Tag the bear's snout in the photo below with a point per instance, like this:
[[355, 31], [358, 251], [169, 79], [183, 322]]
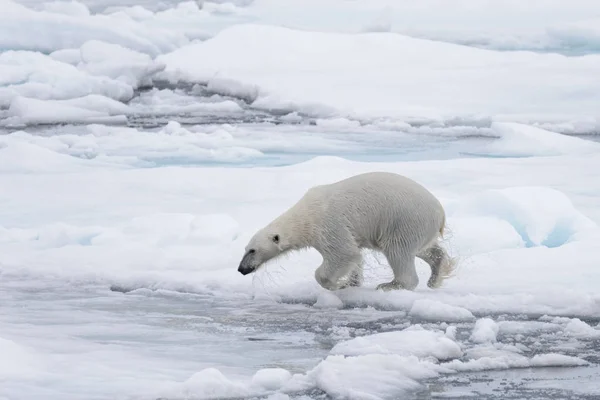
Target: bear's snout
[[245, 270], [247, 264]]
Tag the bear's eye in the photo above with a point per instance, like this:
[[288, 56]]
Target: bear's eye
[[276, 238], [251, 251]]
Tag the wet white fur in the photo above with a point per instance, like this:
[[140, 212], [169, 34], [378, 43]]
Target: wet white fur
[[379, 211]]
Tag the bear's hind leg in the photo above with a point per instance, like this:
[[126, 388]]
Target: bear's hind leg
[[355, 278], [405, 273], [441, 264]]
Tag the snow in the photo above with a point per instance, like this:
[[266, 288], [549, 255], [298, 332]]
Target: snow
[[60, 30], [90, 109], [415, 78], [491, 24], [485, 330], [579, 329], [412, 341], [143, 143], [328, 300], [432, 310], [130, 146], [518, 140]]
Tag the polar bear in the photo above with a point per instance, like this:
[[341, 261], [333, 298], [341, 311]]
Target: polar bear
[[380, 211]]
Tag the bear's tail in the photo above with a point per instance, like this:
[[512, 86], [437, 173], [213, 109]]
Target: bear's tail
[[442, 267]]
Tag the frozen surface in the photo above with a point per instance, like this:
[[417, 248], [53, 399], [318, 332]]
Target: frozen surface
[[167, 240], [142, 143]]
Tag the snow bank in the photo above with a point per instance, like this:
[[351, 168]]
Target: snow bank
[[518, 140], [416, 78], [540, 215]]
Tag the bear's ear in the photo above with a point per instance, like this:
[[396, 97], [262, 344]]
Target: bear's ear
[[275, 239]]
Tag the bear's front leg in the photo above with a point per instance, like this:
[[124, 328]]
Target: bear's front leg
[[325, 280]]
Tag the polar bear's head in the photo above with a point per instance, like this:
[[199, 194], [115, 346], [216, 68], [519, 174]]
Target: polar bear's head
[[265, 245]]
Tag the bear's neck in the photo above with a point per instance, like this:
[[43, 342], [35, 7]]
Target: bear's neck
[[297, 227]]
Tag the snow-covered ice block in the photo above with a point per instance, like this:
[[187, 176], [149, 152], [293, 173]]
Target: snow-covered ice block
[[414, 341], [88, 109], [371, 376], [175, 102], [119, 63], [432, 310], [37, 76], [22, 28], [318, 72], [579, 329]]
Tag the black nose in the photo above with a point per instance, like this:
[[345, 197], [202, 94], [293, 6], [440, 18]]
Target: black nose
[[245, 270]]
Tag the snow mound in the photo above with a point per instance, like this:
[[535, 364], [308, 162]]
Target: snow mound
[[414, 341], [210, 383], [523, 140], [271, 378], [542, 216], [318, 73], [432, 310], [485, 331]]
